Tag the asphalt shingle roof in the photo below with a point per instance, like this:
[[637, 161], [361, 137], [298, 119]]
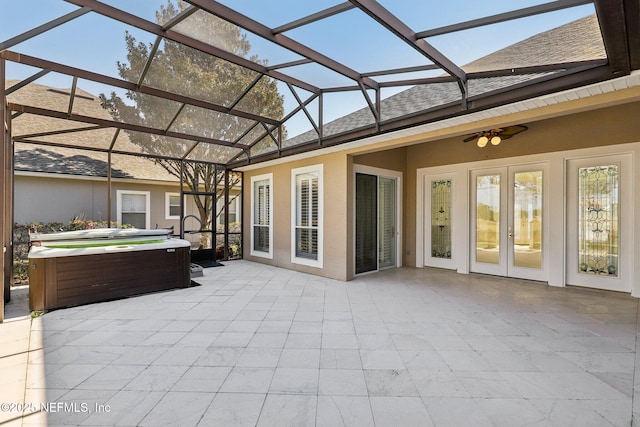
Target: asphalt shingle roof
[[579, 40], [73, 161]]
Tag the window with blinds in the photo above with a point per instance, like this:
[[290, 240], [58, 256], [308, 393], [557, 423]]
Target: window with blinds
[[307, 216], [261, 215], [173, 206], [133, 208]]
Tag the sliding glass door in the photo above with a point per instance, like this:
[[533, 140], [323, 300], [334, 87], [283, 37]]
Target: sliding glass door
[[386, 222], [376, 220]]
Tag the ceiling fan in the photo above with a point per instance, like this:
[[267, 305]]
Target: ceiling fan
[[496, 135]]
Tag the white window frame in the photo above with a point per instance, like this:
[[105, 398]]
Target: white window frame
[[254, 179], [319, 169], [147, 194], [167, 205]]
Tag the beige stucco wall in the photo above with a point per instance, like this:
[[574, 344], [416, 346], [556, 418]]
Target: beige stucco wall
[[394, 159], [615, 124], [335, 252]]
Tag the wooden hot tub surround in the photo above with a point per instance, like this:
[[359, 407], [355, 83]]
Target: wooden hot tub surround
[[63, 277]]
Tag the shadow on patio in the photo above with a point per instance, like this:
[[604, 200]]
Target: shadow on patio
[[261, 345]]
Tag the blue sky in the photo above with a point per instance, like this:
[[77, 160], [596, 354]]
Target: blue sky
[[97, 43]]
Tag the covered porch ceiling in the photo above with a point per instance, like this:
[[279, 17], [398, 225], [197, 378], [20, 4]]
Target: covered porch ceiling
[[343, 70]]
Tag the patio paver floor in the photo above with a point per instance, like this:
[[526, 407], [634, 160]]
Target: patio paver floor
[[260, 345]]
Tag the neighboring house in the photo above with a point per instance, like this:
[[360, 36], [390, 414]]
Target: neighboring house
[[56, 184], [557, 203]]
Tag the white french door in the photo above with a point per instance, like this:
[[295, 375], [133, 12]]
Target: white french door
[[508, 221]]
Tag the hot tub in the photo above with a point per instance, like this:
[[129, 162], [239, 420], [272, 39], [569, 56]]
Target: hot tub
[[88, 266]]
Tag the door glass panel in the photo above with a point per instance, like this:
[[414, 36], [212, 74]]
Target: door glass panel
[[488, 219], [366, 227], [527, 219], [441, 218], [387, 222], [598, 220]]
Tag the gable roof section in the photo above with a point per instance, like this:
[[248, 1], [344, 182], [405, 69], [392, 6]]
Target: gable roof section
[[579, 40]]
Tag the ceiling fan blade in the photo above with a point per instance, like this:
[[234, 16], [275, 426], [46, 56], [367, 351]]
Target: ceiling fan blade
[[504, 133], [472, 137], [510, 131]]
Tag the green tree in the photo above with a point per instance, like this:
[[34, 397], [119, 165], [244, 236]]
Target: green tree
[[187, 71]]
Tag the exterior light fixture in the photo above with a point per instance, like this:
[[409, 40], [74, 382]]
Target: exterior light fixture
[[486, 137], [495, 136]]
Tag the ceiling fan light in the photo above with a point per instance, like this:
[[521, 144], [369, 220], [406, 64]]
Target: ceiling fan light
[[482, 141], [495, 140]]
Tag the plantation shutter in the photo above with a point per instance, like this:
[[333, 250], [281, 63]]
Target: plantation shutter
[[262, 216], [307, 215]]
